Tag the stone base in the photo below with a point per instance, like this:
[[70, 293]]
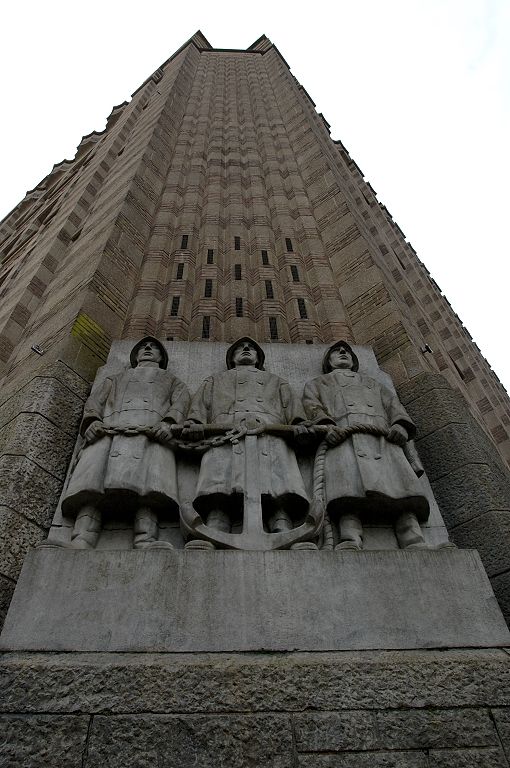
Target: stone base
[[168, 601], [372, 709]]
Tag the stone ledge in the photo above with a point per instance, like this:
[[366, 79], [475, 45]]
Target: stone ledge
[[175, 601]]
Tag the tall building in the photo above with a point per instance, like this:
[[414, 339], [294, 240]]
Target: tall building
[[215, 204]]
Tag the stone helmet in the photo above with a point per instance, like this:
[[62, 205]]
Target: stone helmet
[[134, 352], [260, 352], [326, 366]]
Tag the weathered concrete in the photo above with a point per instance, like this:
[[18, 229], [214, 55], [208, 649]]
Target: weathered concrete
[[241, 601]]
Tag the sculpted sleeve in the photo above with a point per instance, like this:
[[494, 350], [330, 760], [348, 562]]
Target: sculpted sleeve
[[179, 403], [396, 412], [313, 405], [292, 407], [201, 403], [94, 407]]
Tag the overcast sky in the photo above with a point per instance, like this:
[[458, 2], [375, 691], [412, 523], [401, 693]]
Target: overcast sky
[[417, 90]]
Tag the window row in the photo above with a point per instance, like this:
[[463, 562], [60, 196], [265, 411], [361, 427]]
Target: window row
[[237, 269], [273, 327], [176, 300], [237, 247]]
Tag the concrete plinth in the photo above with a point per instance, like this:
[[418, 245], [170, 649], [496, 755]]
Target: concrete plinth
[[247, 601]]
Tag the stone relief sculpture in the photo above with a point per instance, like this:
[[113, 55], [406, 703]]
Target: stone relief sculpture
[[126, 422], [370, 468], [253, 479]]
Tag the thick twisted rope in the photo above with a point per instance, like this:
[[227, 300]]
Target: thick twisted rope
[[326, 537]]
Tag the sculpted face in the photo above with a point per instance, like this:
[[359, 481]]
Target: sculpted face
[[341, 358], [245, 354], [149, 353]]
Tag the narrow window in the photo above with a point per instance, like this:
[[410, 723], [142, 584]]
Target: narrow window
[[206, 327], [174, 309], [288, 244], [303, 314], [294, 272], [239, 307], [237, 243], [208, 289], [237, 271], [273, 328], [265, 257], [269, 289], [180, 271], [210, 256], [184, 241]]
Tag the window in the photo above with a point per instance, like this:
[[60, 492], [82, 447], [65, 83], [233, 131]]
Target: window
[[265, 257], [208, 289], [184, 241], [269, 289], [175, 306], [237, 243], [303, 314], [206, 327], [294, 272], [273, 328], [210, 256], [180, 271], [288, 244], [239, 307], [237, 271]]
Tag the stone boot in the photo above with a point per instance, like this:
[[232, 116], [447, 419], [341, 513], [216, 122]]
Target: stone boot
[[147, 532]]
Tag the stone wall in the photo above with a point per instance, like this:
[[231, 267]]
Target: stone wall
[[470, 482], [401, 709], [38, 424]]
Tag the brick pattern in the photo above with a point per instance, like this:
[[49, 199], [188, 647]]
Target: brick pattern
[[218, 145]]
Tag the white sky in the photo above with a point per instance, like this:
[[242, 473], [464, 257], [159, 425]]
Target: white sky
[[417, 90]]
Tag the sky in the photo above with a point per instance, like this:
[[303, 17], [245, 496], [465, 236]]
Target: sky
[[417, 90]]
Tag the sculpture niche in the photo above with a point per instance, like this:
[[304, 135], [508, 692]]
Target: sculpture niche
[[367, 477], [252, 478], [125, 463]]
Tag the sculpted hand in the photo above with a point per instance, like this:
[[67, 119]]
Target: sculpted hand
[[332, 437], [162, 431], [302, 435], [192, 432], [398, 435], [94, 432]]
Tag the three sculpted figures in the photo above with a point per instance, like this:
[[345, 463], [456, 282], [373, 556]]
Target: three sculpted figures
[[246, 424]]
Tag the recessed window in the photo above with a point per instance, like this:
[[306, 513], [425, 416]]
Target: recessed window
[[295, 273], [210, 256], [265, 257], [303, 314], [237, 271], [288, 244], [237, 243], [273, 328], [208, 289], [180, 271], [269, 289], [239, 307], [184, 241], [206, 327], [174, 309]]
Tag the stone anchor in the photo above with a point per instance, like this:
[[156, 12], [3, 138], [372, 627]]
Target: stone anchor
[[253, 535], [255, 472]]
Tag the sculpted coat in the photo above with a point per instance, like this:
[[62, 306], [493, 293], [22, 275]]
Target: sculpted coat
[[133, 464], [364, 467], [248, 395]]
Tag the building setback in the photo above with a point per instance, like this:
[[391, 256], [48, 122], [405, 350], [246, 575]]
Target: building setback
[[215, 204]]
